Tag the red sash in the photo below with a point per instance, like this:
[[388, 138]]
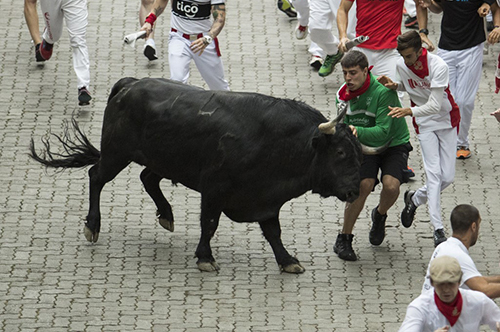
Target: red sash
[[420, 67], [450, 310]]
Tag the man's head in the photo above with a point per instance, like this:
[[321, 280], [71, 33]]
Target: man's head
[[445, 273], [355, 69], [410, 47], [465, 220]]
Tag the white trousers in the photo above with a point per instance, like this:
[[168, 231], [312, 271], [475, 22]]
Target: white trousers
[[411, 8], [302, 7], [322, 17], [465, 68], [74, 12], [383, 61], [209, 63], [439, 156]]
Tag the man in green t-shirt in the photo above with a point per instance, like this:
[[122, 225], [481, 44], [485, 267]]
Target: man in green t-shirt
[[367, 108]]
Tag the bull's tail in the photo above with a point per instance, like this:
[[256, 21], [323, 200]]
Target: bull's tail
[[78, 151], [120, 85]]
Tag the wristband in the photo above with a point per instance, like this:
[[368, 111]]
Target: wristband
[[424, 31], [151, 19]]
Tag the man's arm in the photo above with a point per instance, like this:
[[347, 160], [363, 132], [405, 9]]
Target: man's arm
[[432, 5], [219, 14], [494, 36], [490, 286], [158, 8], [342, 22], [422, 23]]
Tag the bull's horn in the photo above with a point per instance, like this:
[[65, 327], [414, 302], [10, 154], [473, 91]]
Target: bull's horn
[[375, 150], [329, 127]]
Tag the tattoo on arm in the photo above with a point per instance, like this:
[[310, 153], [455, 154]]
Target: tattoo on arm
[[158, 10], [219, 13]]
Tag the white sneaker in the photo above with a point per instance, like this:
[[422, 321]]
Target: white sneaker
[[301, 32], [316, 62], [150, 50]]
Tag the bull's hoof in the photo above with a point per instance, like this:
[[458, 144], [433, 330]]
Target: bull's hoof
[[89, 235], [208, 266], [167, 224], [293, 268]]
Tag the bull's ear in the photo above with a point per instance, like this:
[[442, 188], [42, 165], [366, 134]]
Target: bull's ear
[[316, 141]]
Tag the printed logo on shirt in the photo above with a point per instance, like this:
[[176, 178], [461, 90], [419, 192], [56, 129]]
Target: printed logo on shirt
[[191, 10], [419, 84], [361, 122]]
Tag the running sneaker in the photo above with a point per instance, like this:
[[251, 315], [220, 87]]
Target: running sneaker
[[84, 96], [301, 32], [316, 62], [463, 152], [329, 64], [286, 7], [45, 51]]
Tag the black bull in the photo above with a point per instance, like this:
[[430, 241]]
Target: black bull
[[246, 153]]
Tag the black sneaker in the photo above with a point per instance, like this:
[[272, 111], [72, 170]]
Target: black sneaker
[[408, 212], [150, 53], [377, 232], [411, 22], [84, 96], [439, 237], [38, 56], [286, 7], [343, 247]]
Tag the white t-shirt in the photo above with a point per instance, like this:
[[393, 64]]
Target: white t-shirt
[[419, 90], [455, 248], [192, 16], [423, 315]]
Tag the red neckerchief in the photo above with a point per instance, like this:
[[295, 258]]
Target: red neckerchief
[[420, 67], [345, 94], [450, 310]]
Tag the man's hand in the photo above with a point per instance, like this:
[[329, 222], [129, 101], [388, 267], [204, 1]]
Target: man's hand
[[354, 131], [387, 82], [444, 329], [425, 3], [399, 112], [342, 43], [496, 114], [148, 28], [494, 36], [198, 45], [483, 10], [425, 39]]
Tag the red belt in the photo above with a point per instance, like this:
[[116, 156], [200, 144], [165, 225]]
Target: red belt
[[189, 37]]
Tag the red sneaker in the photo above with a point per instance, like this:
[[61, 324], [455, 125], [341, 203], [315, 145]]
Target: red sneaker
[[45, 50]]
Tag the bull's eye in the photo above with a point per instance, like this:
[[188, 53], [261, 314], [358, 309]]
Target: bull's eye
[[340, 153]]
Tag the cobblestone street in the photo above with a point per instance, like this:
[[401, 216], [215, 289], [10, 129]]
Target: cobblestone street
[[140, 277]]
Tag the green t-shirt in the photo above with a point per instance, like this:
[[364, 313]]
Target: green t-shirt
[[368, 113]]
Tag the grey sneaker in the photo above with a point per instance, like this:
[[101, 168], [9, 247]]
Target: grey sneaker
[[408, 213], [343, 247], [377, 232], [439, 237], [329, 64]]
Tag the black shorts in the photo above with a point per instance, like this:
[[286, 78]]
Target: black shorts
[[393, 161]]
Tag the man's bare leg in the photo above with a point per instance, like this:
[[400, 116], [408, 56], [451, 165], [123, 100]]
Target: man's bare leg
[[149, 47], [31, 16]]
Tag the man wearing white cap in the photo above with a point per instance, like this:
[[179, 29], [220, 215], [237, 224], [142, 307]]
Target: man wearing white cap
[[449, 308]]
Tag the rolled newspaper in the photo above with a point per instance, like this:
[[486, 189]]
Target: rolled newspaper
[[356, 41], [129, 39]]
